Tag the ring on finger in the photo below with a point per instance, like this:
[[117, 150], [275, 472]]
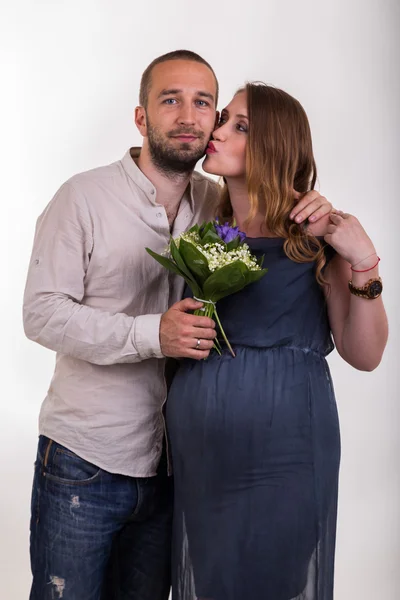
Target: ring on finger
[[198, 344]]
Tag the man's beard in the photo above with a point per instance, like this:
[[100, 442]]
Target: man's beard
[[175, 161]]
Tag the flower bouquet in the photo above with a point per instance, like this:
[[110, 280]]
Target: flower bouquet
[[215, 262]]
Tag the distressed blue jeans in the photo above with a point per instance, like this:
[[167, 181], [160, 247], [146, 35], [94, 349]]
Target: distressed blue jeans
[[96, 535]]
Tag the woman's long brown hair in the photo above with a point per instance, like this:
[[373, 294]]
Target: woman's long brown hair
[[279, 160]]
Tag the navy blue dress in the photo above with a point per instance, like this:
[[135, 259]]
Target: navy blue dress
[[256, 447]]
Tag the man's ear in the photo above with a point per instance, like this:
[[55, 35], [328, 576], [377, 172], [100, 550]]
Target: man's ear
[[217, 114], [141, 120]]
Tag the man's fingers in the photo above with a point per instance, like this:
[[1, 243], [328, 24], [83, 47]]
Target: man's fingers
[[315, 205], [185, 335], [317, 214], [303, 204], [203, 346], [315, 211], [201, 333], [308, 197], [199, 321], [197, 354], [188, 304]]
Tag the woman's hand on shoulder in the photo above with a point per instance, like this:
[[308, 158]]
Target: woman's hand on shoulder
[[347, 236]]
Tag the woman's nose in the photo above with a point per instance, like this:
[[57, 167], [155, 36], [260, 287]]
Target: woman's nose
[[219, 134]]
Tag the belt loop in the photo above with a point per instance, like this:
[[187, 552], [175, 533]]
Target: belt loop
[[46, 455]]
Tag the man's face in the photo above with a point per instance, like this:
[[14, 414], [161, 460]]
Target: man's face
[[180, 114]]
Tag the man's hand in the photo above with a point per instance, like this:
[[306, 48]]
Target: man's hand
[[186, 336], [312, 206]]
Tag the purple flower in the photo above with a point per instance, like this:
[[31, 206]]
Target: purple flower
[[228, 233]]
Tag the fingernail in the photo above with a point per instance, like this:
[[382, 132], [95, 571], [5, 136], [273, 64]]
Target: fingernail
[[291, 216], [299, 219], [312, 218]]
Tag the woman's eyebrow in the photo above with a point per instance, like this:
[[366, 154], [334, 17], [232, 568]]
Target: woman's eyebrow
[[225, 111]]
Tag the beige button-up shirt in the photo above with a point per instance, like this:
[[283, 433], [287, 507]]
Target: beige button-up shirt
[[96, 297]]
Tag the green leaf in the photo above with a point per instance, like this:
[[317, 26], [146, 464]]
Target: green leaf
[[212, 238], [205, 227], [171, 266], [226, 281], [233, 244], [195, 261], [254, 276], [165, 262], [230, 279], [186, 273]]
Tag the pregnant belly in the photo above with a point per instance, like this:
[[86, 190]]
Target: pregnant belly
[[256, 406]]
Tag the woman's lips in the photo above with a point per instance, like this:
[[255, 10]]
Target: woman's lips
[[211, 149]]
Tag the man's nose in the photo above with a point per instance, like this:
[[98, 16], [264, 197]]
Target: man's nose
[[187, 115]]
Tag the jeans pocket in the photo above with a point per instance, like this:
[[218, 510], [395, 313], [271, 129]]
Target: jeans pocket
[[64, 466]]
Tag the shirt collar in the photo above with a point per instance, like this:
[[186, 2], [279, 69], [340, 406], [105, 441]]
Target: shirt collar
[[138, 177]]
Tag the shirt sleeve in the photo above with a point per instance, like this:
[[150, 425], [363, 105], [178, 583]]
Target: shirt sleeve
[[53, 312]]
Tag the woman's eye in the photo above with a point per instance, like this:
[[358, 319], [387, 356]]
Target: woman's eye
[[221, 121], [242, 128]]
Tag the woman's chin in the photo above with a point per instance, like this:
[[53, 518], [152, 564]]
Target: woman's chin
[[209, 167]]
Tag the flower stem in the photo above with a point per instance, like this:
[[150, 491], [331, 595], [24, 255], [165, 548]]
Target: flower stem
[[210, 311], [223, 332]]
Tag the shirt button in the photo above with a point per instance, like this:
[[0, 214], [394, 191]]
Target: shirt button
[[151, 192], [159, 215]]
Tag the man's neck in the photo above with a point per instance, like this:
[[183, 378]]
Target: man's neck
[[170, 188]]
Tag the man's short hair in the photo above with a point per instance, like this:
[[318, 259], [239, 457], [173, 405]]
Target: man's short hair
[[145, 82]]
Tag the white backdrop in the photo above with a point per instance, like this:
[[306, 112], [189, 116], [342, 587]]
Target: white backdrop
[[69, 82]]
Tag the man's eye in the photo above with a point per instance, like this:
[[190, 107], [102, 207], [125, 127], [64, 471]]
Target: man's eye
[[202, 103], [169, 101]]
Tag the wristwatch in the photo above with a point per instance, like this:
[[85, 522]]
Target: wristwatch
[[371, 290]]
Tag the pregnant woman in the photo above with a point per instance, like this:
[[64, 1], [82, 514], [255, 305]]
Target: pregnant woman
[[255, 439]]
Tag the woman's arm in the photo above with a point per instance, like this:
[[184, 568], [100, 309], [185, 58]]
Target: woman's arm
[[359, 325]]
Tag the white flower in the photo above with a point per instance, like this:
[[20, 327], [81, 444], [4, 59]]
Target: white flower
[[216, 254]]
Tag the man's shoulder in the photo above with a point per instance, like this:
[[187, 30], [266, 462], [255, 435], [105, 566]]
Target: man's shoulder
[[201, 179], [87, 190], [96, 176], [204, 186], [206, 195]]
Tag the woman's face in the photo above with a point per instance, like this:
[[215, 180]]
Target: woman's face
[[226, 152]]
